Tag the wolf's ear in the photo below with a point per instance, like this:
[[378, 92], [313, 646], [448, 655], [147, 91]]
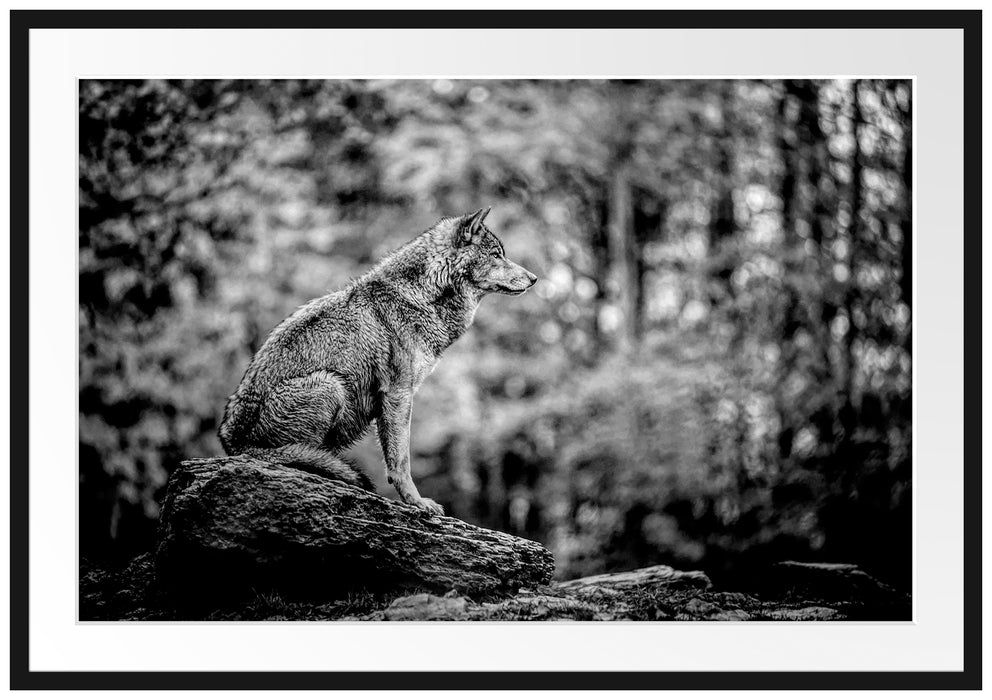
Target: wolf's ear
[[469, 225]]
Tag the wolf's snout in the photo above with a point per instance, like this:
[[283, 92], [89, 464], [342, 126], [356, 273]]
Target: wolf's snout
[[516, 280], [523, 280]]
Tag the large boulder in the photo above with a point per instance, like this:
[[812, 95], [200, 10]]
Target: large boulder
[[237, 524]]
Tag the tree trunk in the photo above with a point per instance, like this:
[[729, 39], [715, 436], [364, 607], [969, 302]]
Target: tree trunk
[[600, 246], [723, 222], [817, 166], [854, 243], [906, 219], [787, 184], [817, 212], [906, 225], [623, 258], [650, 214], [235, 523], [790, 244]]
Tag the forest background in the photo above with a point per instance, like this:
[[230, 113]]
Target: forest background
[[714, 370]]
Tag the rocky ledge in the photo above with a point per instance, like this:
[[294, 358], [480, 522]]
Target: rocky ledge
[[242, 539]]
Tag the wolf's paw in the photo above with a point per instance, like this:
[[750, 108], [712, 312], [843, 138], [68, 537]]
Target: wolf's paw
[[430, 506]]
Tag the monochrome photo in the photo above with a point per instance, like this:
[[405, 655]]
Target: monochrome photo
[[496, 349]]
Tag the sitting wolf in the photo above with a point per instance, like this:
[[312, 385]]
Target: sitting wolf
[[358, 355]]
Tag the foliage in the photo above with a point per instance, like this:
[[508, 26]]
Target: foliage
[[713, 370]]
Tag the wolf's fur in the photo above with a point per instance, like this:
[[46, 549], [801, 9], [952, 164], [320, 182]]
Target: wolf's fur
[[358, 355]]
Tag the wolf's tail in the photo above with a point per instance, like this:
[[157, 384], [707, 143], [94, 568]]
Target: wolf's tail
[[313, 460]]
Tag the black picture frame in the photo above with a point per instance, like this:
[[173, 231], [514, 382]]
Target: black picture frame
[[21, 22]]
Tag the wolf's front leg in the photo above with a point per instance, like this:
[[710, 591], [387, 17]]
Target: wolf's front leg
[[393, 427]]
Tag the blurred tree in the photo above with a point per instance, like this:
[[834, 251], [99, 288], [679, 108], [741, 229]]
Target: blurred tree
[[154, 158]]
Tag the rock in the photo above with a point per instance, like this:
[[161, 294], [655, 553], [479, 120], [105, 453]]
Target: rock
[[733, 600], [810, 613], [118, 595], [817, 580], [643, 594], [424, 606], [698, 609], [539, 607], [243, 539], [654, 593], [650, 577], [651, 593], [239, 524], [526, 605]]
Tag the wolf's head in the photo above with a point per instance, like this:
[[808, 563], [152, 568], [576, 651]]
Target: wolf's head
[[477, 258]]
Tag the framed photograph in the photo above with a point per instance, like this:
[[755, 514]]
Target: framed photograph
[[510, 349]]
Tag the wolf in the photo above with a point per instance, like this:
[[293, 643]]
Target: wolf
[[358, 355]]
